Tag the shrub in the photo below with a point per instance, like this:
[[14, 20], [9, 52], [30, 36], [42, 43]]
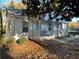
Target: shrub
[[9, 40], [2, 39], [22, 40]]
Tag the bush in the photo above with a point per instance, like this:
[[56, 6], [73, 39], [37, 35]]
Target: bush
[[22, 40], [2, 39], [9, 40]]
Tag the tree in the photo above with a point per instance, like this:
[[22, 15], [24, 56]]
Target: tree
[[68, 8], [1, 23], [12, 4], [64, 8], [17, 5]]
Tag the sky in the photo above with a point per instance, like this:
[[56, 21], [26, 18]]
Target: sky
[[75, 19], [5, 2]]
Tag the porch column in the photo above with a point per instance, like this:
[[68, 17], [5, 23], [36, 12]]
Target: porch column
[[39, 29], [8, 24], [64, 26], [67, 29], [53, 27], [57, 28], [60, 28], [30, 28], [7, 30]]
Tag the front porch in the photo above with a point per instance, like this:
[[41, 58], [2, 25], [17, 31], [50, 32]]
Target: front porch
[[38, 29]]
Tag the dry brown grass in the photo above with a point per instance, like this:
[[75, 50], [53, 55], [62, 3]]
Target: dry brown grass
[[29, 50], [33, 50]]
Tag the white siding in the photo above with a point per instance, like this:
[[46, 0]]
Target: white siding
[[18, 26], [29, 28]]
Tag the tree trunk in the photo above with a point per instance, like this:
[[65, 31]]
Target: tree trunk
[[1, 23]]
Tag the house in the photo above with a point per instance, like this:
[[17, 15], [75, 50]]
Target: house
[[16, 23], [33, 27], [39, 27]]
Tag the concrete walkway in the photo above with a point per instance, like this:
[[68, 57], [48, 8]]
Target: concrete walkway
[[64, 40]]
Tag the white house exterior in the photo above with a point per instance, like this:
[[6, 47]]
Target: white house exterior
[[33, 27], [16, 23], [41, 27]]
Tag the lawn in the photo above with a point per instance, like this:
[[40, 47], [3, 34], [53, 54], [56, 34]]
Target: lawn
[[33, 50]]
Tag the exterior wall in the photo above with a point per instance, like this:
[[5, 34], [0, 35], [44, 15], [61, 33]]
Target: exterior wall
[[45, 28], [38, 29], [16, 26], [35, 28]]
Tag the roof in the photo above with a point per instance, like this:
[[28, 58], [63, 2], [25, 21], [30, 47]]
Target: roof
[[13, 11]]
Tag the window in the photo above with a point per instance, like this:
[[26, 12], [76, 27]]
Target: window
[[25, 26], [49, 26]]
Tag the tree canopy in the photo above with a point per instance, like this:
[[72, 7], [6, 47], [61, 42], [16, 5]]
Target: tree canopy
[[65, 8], [17, 5]]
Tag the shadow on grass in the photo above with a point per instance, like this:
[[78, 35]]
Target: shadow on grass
[[61, 49]]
